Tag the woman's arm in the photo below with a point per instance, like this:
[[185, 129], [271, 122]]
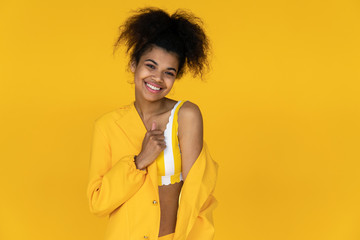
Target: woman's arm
[[110, 186], [190, 133], [191, 143]]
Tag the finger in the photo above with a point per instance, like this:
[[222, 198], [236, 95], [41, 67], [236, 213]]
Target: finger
[[157, 139], [161, 137], [153, 126], [161, 141], [156, 132], [153, 133], [162, 145]]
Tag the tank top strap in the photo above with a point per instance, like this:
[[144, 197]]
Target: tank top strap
[[178, 106], [169, 162]]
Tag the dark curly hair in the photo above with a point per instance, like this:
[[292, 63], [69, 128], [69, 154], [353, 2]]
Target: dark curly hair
[[180, 33]]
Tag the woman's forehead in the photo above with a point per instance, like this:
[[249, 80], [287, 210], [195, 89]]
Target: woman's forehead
[[160, 55]]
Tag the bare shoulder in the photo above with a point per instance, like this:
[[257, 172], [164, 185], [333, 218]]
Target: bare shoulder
[[190, 120], [189, 112]]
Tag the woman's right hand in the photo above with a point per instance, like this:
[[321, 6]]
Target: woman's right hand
[[152, 145]]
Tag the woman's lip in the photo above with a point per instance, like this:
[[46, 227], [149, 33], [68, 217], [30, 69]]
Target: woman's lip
[[152, 90], [154, 84]]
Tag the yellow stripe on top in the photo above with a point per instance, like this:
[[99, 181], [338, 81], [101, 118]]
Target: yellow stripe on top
[[161, 164], [169, 161], [177, 177]]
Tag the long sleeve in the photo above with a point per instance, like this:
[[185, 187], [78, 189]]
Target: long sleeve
[[203, 228], [110, 186]]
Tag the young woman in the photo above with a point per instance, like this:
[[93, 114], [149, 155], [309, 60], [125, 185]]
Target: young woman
[[150, 170]]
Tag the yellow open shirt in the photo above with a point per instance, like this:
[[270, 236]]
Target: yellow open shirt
[[130, 197]]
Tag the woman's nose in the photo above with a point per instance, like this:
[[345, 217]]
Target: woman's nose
[[157, 76]]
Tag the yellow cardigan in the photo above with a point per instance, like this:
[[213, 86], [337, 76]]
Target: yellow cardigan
[[130, 196]]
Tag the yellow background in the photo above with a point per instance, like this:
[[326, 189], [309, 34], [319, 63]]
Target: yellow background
[[281, 110]]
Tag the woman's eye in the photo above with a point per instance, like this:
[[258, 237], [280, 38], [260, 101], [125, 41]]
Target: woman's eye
[[150, 66], [170, 73]]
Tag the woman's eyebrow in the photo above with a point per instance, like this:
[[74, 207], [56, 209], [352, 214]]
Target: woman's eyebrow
[[152, 61], [172, 69], [158, 64]]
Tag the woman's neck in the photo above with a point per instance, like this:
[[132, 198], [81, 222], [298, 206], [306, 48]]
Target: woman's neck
[[148, 109]]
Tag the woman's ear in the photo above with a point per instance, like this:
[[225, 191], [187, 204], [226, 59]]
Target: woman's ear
[[133, 66]]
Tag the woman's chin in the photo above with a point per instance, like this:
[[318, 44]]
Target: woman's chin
[[154, 97]]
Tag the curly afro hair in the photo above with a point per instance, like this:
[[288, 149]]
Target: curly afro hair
[[180, 33]]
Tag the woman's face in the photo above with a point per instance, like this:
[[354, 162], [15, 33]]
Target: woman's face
[[155, 73]]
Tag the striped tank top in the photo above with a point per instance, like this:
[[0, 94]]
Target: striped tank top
[[169, 161]]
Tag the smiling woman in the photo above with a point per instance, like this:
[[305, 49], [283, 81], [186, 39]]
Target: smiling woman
[[150, 170], [154, 74]]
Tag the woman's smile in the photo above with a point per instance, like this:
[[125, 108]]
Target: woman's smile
[[152, 87]]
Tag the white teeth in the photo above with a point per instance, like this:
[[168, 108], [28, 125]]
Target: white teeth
[[152, 87]]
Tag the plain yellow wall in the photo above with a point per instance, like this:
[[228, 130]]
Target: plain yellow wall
[[281, 110]]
